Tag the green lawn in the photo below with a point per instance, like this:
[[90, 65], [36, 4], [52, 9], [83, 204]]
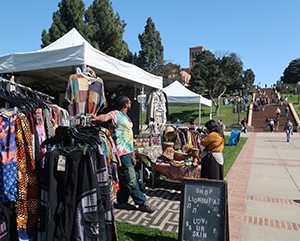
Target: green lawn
[[184, 111], [127, 232], [295, 99]]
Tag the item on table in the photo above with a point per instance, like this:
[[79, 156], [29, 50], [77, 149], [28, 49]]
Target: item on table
[[167, 144], [169, 153]]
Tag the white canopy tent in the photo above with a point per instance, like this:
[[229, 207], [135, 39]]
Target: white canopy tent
[[177, 93], [54, 64]]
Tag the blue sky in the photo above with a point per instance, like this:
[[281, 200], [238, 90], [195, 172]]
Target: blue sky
[[264, 33]]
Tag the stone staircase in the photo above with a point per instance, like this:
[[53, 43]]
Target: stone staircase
[[259, 117]]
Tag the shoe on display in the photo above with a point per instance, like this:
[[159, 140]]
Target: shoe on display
[[147, 207]]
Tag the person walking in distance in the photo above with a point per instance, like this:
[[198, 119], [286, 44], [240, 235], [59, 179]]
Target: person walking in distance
[[267, 122], [286, 111], [271, 124], [244, 125], [123, 136], [276, 124], [288, 127], [278, 111]]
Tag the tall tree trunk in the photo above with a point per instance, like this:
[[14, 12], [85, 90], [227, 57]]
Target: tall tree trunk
[[217, 104]]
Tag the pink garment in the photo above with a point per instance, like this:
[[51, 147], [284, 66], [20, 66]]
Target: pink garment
[[40, 128]]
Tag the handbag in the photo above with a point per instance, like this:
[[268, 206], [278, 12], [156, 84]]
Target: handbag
[[292, 133]]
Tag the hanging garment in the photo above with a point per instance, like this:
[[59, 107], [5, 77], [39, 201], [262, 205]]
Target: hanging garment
[[8, 165], [112, 159], [48, 124], [85, 95], [41, 133], [75, 198], [27, 200], [76, 184], [157, 108]]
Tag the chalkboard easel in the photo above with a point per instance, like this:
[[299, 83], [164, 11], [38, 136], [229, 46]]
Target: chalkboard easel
[[203, 210]]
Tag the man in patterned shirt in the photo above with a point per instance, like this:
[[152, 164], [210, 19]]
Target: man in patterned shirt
[[123, 136]]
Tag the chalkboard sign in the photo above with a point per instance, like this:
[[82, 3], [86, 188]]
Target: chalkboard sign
[[203, 210]]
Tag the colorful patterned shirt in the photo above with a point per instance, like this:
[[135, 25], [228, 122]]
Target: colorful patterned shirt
[[8, 158], [122, 132], [85, 95]]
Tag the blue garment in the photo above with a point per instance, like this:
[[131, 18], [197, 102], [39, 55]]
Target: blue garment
[[234, 138], [8, 164], [288, 134], [289, 129]]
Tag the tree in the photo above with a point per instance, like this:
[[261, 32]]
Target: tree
[[105, 30], [170, 72], [151, 55], [70, 15], [248, 78], [291, 74], [213, 74]]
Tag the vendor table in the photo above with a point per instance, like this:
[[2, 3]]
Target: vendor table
[[165, 169], [149, 152], [178, 173]]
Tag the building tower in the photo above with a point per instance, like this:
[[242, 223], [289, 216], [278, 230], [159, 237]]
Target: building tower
[[193, 51]]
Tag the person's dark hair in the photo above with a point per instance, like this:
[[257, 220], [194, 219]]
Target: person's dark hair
[[213, 126], [121, 101], [191, 120]]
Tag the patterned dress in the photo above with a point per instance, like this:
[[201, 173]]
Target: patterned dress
[[27, 201], [8, 165]]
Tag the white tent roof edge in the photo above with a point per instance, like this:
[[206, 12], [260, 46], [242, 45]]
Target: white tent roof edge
[[73, 50], [177, 93]]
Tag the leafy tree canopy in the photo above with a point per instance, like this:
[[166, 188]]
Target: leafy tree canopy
[[69, 15], [105, 30], [151, 55], [98, 25], [213, 74], [248, 78], [170, 72], [291, 74]]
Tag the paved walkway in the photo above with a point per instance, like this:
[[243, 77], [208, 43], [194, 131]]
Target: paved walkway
[[263, 191]]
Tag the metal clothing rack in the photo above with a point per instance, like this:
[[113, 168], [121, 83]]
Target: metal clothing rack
[[84, 120], [10, 82]]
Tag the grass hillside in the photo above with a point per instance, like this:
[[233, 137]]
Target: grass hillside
[[184, 111]]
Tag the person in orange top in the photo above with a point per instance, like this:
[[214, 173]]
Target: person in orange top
[[212, 156]]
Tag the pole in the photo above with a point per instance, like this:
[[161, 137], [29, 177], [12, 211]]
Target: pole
[[200, 112], [238, 109], [142, 100]]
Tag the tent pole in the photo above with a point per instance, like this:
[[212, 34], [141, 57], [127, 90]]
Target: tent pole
[[142, 101], [200, 112], [210, 116]]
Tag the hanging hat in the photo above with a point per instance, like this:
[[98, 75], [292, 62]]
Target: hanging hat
[[169, 132], [169, 153]]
